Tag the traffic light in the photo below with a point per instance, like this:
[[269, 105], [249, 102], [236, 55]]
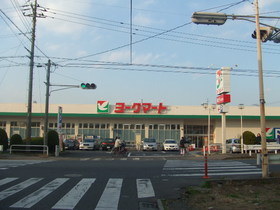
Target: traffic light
[[88, 86], [265, 32]]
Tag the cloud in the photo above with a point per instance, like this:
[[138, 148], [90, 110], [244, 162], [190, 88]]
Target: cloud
[[144, 20], [60, 7], [124, 55]]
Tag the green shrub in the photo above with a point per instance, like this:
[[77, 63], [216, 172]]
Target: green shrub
[[249, 137], [53, 139], [16, 139], [3, 139], [37, 141]]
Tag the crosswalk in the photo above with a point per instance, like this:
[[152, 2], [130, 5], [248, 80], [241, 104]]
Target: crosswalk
[[19, 193], [182, 168]]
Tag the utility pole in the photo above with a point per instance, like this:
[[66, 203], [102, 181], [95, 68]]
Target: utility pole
[[261, 91], [47, 102], [29, 108]]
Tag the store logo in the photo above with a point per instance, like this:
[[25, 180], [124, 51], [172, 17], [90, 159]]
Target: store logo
[[102, 106], [269, 133]]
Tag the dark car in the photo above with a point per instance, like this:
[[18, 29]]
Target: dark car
[[107, 143], [71, 144]]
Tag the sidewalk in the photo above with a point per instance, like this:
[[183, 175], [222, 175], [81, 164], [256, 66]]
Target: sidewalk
[[195, 155]]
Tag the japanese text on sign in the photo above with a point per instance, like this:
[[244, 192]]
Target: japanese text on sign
[[139, 107]]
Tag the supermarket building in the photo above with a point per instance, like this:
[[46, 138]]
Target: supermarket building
[[139, 120]]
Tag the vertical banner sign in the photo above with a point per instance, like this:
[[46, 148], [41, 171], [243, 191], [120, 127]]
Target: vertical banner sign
[[222, 88], [223, 80]]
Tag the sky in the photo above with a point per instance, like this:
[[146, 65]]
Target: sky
[[152, 53]]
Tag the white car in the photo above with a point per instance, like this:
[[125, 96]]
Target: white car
[[89, 144], [170, 144], [233, 145]]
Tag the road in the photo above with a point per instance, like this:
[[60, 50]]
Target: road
[[88, 180]]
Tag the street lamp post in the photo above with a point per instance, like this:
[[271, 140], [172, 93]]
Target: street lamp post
[[241, 107], [212, 107], [216, 19]]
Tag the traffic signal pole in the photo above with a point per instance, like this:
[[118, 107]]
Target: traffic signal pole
[[261, 92]]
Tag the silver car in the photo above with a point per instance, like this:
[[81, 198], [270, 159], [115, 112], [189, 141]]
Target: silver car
[[149, 144], [233, 145]]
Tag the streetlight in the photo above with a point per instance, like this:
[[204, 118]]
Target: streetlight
[[241, 107], [215, 19], [212, 107]]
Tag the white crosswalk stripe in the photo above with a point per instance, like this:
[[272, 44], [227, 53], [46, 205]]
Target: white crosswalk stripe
[[145, 188], [215, 168], [38, 195], [70, 200], [110, 195], [17, 188], [7, 180]]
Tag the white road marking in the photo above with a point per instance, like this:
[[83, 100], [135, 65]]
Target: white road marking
[[111, 195], [198, 168], [145, 188], [215, 174], [7, 180], [70, 200], [16, 188], [38, 195]]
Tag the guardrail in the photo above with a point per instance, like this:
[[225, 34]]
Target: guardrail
[[29, 148], [273, 159], [256, 148]]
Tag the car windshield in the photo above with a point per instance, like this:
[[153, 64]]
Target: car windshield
[[88, 140], [108, 140], [67, 141], [170, 142], [150, 140]]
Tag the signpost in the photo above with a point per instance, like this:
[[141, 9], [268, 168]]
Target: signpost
[[223, 98], [59, 126]]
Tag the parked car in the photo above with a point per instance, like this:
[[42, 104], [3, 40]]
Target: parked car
[[107, 143], [233, 145], [170, 144], [149, 144], [90, 144], [71, 144]]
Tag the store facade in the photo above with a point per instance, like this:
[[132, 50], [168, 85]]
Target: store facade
[[137, 120]]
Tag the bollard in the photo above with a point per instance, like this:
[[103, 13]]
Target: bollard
[[56, 150], [206, 167], [1, 148]]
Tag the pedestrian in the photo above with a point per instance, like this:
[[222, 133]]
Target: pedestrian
[[258, 139], [182, 146]]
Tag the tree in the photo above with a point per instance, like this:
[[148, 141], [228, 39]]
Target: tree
[[3, 139], [16, 139], [53, 139], [249, 137]]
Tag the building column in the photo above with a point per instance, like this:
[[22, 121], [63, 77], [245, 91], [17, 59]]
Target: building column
[[8, 129], [111, 130], [181, 130], [146, 131]]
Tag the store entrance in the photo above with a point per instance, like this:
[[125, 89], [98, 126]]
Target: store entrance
[[198, 141]]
